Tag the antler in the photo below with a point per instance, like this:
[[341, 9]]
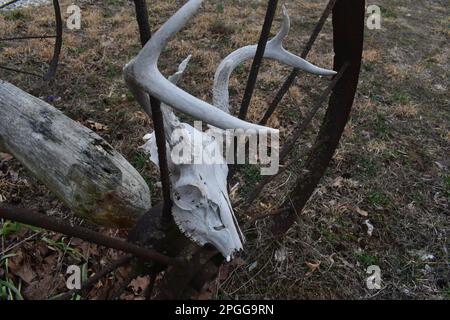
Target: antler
[[274, 50], [143, 77]]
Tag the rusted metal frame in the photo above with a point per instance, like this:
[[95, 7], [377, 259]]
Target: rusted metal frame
[[36, 219], [348, 36], [264, 37], [145, 35], [58, 42], [294, 138], [294, 73], [96, 278]]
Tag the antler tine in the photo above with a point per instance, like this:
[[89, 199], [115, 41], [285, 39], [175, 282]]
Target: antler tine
[[274, 50], [142, 73], [170, 119]]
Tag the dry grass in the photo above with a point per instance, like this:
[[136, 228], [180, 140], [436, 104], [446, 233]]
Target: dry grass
[[392, 167]]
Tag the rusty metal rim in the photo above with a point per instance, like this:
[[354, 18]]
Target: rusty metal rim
[[53, 64]]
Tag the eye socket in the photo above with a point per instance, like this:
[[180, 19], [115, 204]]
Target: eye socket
[[189, 197]]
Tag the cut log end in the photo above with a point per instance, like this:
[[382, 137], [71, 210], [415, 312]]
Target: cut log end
[[80, 167]]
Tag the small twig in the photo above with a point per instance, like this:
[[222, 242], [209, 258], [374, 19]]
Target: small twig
[[5, 251]]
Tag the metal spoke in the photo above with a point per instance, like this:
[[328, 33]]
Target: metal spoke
[[251, 82], [294, 73], [20, 71], [8, 4], [27, 38], [307, 121], [295, 136], [145, 35]]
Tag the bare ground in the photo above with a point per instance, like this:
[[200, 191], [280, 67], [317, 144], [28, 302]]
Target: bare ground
[[391, 170]]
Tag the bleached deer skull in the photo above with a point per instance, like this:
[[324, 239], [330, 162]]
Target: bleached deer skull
[[202, 208]]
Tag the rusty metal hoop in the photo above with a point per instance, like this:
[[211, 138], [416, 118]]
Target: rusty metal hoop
[[53, 64]]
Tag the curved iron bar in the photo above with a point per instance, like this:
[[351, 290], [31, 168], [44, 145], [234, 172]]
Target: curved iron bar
[[53, 65], [58, 43], [348, 39]]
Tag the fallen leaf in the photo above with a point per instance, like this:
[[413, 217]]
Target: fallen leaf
[[362, 212], [238, 262], [139, 284], [337, 183], [312, 267], [20, 266], [97, 126], [4, 157], [42, 289]]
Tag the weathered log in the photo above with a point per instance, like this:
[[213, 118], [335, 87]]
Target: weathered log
[[80, 167]]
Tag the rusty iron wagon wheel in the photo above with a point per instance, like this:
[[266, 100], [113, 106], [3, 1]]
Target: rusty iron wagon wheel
[[51, 66], [148, 238]]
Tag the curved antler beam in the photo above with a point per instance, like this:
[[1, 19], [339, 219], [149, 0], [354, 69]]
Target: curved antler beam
[[274, 50], [142, 74]]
